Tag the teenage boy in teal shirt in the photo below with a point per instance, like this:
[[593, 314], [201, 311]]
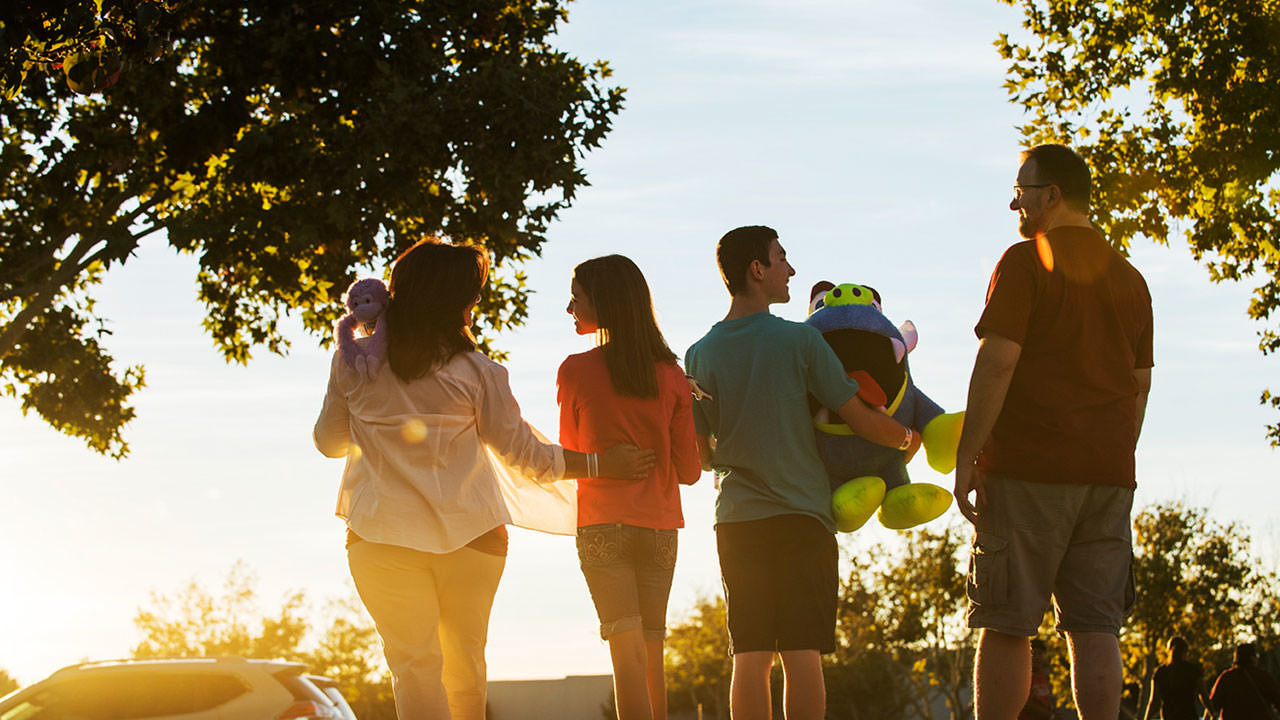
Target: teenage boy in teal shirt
[[774, 530]]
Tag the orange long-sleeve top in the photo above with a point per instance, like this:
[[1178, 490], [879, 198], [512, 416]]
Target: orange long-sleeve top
[[594, 417]]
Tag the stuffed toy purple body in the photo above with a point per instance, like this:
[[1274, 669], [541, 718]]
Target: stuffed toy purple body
[[367, 301]]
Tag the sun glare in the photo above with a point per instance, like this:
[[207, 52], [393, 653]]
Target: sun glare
[[413, 431], [1044, 251]]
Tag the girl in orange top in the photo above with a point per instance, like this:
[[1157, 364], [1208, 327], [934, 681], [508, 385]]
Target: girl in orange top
[[628, 389]]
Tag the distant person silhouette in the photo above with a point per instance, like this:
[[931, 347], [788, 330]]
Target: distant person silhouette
[[1040, 704], [1176, 685], [1245, 691]]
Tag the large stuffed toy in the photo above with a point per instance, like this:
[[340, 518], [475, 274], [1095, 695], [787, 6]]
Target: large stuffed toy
[[367, 300], [865, 476]]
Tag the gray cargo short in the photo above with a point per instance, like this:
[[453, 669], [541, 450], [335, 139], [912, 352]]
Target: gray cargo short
[[1034, 541]]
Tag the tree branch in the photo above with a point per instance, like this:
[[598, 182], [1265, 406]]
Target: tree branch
[[66, 272]]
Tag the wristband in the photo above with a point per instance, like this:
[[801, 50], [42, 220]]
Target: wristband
[[906, 442], [593, 465]]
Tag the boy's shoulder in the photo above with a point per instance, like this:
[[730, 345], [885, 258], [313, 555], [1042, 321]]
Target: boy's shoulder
[[759, 330], [780, 330]]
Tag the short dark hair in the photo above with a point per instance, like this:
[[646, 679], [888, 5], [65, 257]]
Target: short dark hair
[[1060, 165], [431, 284], [1177, 647], [738, 249]]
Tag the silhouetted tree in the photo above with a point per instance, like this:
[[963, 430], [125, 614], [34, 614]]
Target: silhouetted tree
[[7, 683], [286, 145], [1197, 578], [198, 622], [698, 664]]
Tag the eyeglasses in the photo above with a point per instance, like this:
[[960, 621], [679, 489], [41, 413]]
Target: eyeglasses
[[1017, 189]]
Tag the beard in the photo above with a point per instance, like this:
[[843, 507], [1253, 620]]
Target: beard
[[1028, 227]]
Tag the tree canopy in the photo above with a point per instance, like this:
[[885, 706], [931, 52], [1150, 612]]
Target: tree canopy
[[697, 661], [286, 146], [1176, 106], [340, 643], [902, 643], [7, 683], [1200, 579], [903, 648], [88, 42]]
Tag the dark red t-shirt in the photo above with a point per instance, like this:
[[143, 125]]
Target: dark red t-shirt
[[1082, 315]]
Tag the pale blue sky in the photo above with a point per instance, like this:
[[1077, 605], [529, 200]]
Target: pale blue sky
[[875, 137]]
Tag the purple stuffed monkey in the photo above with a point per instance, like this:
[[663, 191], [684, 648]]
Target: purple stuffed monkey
[[367, 300]]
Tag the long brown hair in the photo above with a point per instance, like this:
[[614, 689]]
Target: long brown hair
[[431, 284], [626, 328]]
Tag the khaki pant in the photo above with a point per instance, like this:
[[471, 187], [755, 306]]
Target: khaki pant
[[432, 612]]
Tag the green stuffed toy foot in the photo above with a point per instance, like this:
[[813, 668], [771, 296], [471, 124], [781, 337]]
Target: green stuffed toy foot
[[853, 502], [914, 504], [941, 438]]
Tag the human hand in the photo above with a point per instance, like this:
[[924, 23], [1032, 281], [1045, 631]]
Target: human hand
[[969, 479], [626, 462]]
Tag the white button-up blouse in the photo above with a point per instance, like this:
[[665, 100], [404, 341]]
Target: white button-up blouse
[[438, 461]]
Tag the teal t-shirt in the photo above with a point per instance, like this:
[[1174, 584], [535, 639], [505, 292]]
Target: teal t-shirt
[[759, 371]]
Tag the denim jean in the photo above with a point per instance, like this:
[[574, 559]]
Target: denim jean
[[628, 571]]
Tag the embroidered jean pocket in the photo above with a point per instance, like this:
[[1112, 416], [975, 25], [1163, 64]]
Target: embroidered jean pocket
[[599, 545], [988, 579], [664, 549]]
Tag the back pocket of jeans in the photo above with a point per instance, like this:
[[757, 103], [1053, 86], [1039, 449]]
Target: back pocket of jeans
[[664, 548], [599, 545], [988, 580]]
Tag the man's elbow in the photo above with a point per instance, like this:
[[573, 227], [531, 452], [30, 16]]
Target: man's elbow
[[998, 356]]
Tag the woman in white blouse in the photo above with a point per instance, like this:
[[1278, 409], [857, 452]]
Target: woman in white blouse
[[439, 460]]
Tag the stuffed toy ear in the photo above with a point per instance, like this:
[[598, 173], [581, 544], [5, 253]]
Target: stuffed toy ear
[[909, 334], [817, 293], [875, 298]]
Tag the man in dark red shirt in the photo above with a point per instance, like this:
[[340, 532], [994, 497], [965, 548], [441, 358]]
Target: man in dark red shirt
[[1056, 402]]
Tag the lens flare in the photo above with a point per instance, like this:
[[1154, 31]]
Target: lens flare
[[414, 431], [1045, 252]]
